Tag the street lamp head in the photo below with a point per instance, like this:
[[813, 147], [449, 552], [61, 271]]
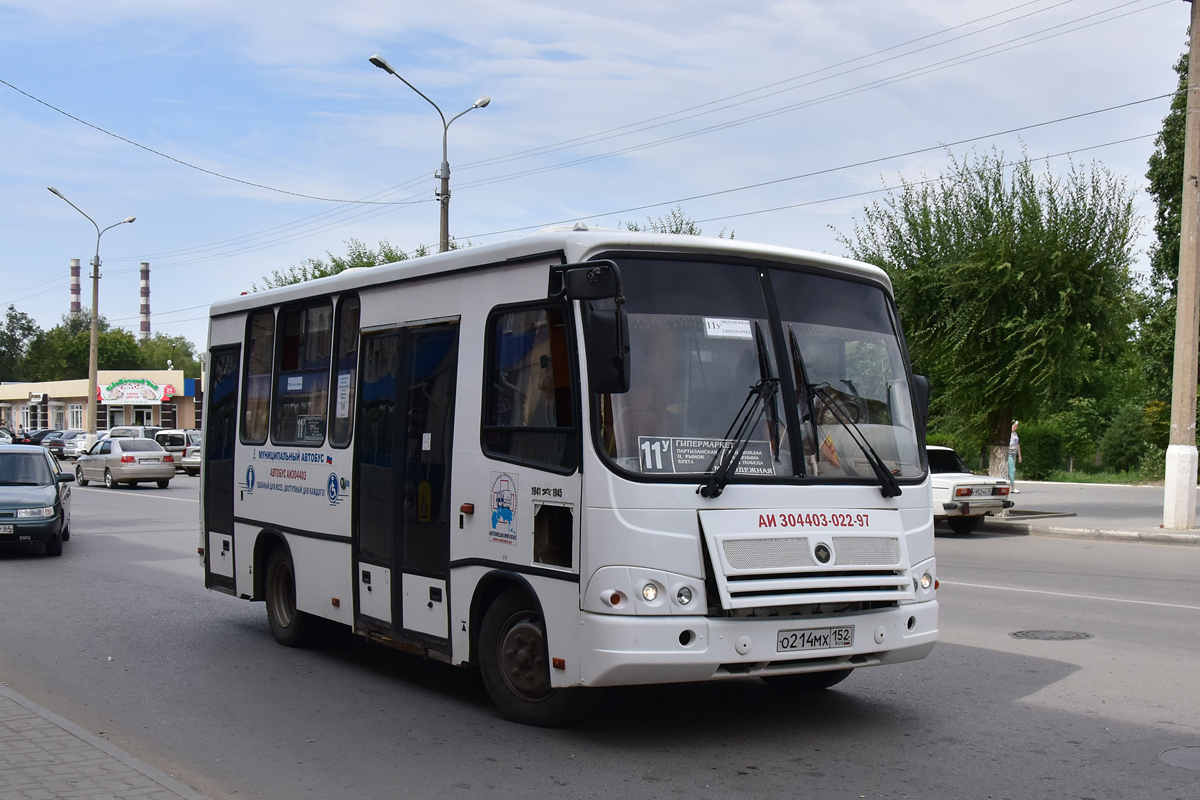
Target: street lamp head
[[379, 61], [482, 102], [129, 219], [56, 191]]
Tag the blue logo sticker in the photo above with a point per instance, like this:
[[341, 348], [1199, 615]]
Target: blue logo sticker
[[249, 485], [333, 489]]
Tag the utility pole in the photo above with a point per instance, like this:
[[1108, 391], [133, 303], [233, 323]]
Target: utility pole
[[1179, 497]]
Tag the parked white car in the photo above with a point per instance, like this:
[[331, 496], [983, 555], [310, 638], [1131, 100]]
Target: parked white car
[[960, 497]]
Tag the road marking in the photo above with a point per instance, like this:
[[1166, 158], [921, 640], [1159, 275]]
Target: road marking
[[1077, 596], [155, 496]]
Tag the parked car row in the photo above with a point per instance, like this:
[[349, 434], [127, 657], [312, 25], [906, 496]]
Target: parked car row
[[182, 443]]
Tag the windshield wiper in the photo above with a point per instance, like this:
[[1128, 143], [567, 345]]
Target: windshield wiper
[[730, 453], [801, 373], [887, 481], [764, 373], [888, 486]]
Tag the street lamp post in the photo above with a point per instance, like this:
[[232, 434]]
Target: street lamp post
[[93, 347], [444, 172]]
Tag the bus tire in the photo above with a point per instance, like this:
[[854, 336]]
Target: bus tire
[[964, 525], [515, 669], [290, 626], [807, 681]]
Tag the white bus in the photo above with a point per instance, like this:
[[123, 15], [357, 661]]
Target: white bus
[[584, 458]]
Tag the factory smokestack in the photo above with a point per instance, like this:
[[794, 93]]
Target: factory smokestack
[[76, 305], [145, 300]]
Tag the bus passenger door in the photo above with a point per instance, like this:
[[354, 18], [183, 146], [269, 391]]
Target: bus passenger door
[[402, 454], [220, 436]]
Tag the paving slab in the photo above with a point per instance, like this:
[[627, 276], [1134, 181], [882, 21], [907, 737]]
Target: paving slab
[[44, 756]]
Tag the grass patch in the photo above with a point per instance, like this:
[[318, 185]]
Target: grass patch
[[1132, 477]]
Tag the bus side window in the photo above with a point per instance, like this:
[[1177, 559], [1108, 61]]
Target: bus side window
[[256, 397], [301, 397], [529, 390], [345, 368]]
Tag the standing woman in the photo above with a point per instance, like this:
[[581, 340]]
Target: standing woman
[[1014, 455]]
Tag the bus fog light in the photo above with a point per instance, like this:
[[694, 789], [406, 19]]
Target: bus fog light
[[926, 581], [684, 595], [649, 592]]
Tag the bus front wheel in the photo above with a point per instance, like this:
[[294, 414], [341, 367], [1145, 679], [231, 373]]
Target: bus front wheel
[[289, 626], [515, 669]]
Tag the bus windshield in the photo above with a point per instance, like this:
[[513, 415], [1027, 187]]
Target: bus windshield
[[704, 344]]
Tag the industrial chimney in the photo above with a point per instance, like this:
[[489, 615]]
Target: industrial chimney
[[145, 300], [76, 306]]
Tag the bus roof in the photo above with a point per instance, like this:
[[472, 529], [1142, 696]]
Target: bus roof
[[575, 244]]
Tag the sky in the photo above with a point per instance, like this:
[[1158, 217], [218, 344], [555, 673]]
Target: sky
[[246, 137]]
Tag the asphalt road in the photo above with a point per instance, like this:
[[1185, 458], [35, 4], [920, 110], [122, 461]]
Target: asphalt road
[[119, 635], [1113, 507]]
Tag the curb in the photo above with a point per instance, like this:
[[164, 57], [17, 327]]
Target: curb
[[154, 774], [1142, 537]]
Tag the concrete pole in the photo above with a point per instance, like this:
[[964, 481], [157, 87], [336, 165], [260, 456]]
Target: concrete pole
[[94, 350], [444, 199], [1179, 501]]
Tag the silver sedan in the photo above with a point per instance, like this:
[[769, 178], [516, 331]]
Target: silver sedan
[[128, 461]]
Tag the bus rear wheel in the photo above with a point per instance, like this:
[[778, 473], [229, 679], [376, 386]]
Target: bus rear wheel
[[807, 681], [515, 669], [290, 626]]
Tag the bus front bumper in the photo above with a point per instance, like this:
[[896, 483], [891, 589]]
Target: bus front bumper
[[626, 650]]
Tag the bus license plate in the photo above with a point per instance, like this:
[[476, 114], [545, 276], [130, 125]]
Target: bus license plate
[[815, 639], [6, 528]]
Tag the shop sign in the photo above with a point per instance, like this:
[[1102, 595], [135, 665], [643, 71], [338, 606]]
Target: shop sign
[[134, 392]]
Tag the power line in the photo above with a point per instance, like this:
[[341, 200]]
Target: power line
[[1014, 43], [829, 170], [188, 164], [916, 183], [996, 49], [615, 132]]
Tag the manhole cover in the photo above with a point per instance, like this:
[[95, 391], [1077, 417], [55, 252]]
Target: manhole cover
[[1051, 636], [1186, 757]]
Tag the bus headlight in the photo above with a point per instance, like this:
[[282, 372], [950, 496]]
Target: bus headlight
[[683, 596], [649, 592], [926, 581]]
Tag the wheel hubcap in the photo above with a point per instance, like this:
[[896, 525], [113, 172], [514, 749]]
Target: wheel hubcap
[[522, 659], [283, 600]]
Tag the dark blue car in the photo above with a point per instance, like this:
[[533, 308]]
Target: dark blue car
[[35, 501]]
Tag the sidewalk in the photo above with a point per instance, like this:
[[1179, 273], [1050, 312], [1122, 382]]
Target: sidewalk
[[45, 757], [1089, 511]]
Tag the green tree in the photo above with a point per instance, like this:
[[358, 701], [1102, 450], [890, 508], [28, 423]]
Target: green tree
[[15, 337], [674, 222], [357, 255], [161, 348], [1014, 289], [1155, 341], [62, 353], [1125, 440]]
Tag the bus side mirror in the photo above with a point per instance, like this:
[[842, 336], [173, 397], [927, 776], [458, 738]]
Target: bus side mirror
[[599, 280], [606, 333], [607, 349], [921, 384]]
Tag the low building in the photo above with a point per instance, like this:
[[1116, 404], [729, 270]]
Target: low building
[[159, 397]]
